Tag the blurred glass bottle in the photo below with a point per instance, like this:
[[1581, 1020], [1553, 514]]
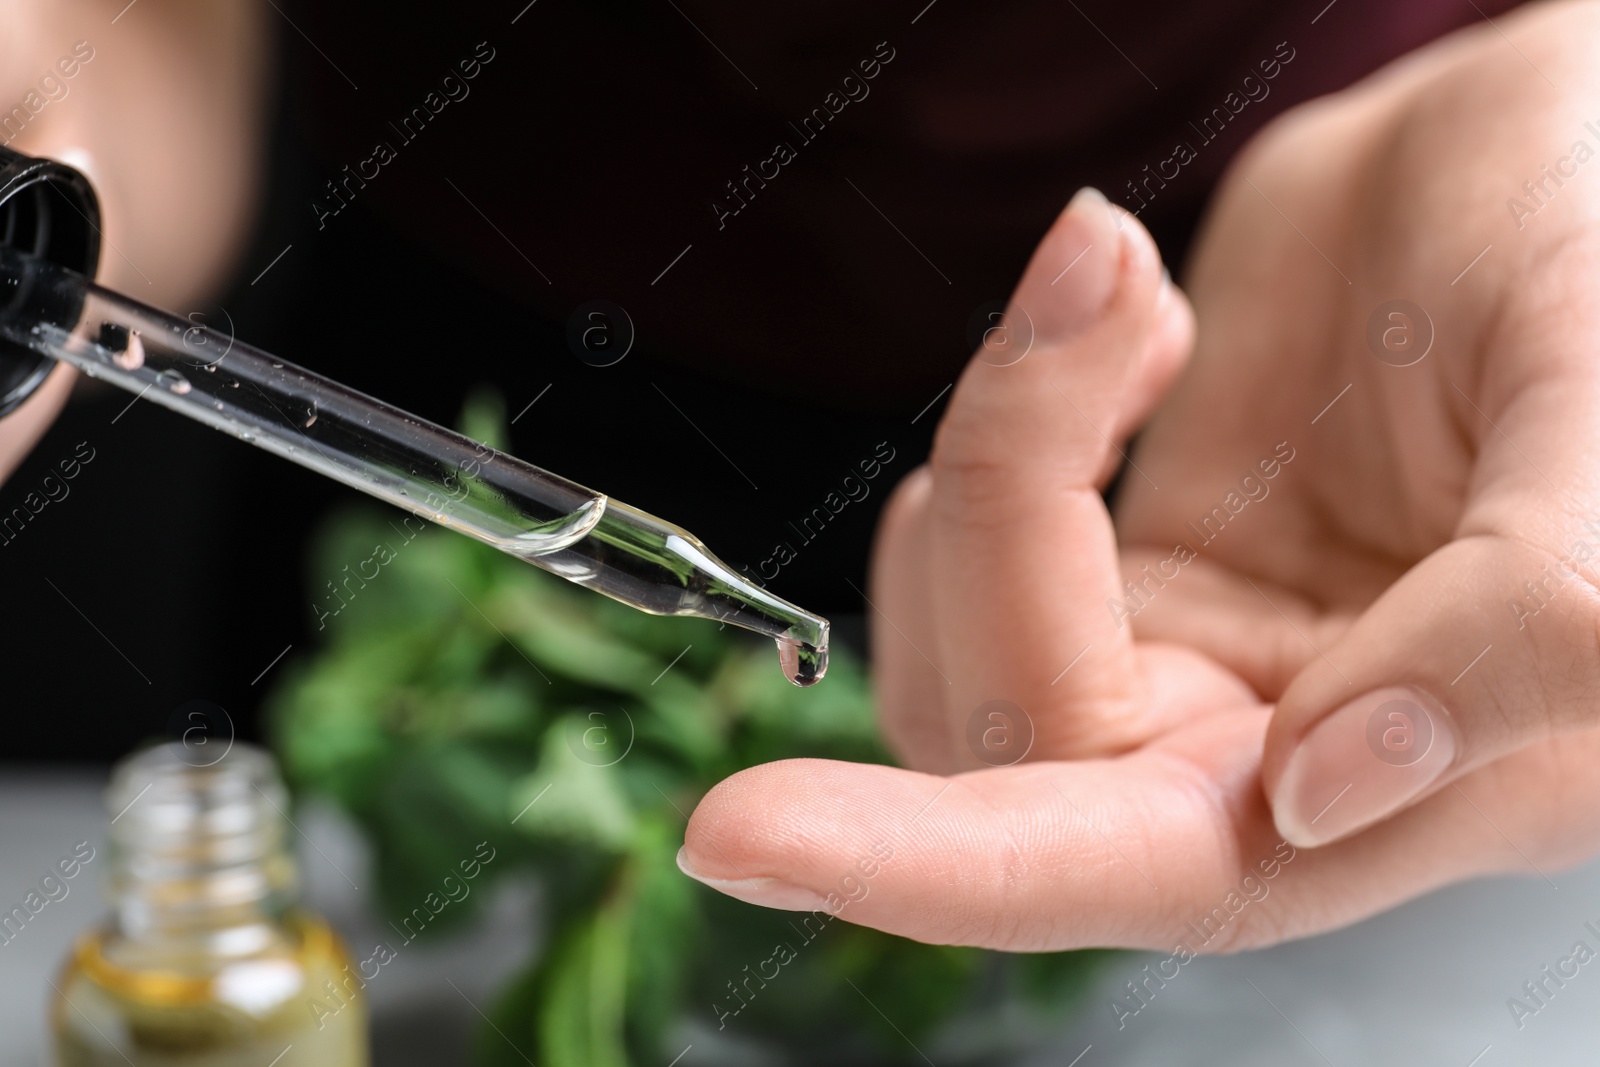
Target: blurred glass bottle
[[205, 961]]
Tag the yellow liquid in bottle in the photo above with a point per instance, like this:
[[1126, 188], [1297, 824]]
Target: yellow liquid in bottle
[[270, 1006], [205, 960]]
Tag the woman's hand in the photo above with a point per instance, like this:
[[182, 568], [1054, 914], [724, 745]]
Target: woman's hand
[[163, 109], [1349, 601]]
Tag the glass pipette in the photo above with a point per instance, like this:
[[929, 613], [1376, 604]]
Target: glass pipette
[[553, 523]]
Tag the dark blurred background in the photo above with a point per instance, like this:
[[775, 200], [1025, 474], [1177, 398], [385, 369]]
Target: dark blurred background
[[586, 155]]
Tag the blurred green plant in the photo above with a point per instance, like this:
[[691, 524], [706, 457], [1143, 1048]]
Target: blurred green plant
[[462, 695]]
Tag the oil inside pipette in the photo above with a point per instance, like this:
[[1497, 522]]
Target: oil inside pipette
[[655, 566]]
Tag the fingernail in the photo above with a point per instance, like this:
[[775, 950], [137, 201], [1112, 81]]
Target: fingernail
[[767, 892], [1071, 293], [1365, 761], [1086, 198]]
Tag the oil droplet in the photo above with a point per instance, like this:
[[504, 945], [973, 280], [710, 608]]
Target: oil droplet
[[174, 381], [804, 665]]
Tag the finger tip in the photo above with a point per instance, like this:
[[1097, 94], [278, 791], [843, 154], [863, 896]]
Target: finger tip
[[1292, 828], [908, 501], [1362, 763], [1095, 255], [742, 821], [1166, 353], [1074, 269], [1294, 810]]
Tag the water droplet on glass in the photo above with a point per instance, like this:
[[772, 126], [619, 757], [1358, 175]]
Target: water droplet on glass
[[802, 664], [174, 381], [246, 435]]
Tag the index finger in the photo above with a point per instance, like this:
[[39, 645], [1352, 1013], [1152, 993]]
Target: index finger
[[1171, 844]]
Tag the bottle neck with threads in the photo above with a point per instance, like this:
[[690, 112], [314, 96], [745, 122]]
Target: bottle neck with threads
[[201, 871], [205, 963]]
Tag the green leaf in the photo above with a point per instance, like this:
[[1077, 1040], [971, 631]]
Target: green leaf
[[667, 930], [582, 1003], [918, 986], [512, 1038], [1051, 978], [566, 798], [429, 811], [556, 630], [483, 418]]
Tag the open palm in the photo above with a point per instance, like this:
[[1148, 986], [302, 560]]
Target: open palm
[[1344, 605]]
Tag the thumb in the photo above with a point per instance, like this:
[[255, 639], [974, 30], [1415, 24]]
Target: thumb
[[1484, 647]]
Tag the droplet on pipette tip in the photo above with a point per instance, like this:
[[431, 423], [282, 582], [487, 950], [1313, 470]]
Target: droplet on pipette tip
[[802, 664], [173, 381]]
